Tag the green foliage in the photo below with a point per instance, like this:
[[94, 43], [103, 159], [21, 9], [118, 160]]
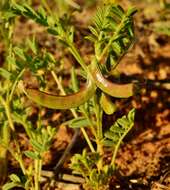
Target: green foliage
[[119, 129], [12, 106], [78, 122], [15, 182], [86, 165], [56, 26], [112, 33], [35, 61], [91, 165], [40, 139]]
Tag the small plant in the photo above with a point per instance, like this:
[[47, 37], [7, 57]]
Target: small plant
[[111, 35], [92, 166], [40, 140]]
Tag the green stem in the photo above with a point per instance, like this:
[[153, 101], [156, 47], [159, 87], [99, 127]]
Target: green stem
[[90, 122], [118, 145], [58, 83], [98, 118], [5, 138], [11, 124], [77, 56], [21, 163], [73, 111], [15, 84], [99, 124], [79, 59], [36, 175], [12, 128], [7, 111]]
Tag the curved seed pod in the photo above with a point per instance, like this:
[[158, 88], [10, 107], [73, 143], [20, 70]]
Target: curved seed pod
[[62, 102], [113, 89]]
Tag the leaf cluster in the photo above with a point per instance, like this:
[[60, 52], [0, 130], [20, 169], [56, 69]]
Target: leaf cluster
[[33, 58], [86, 165], [40, 139], [119, 129], [55, 26], [112, 33]]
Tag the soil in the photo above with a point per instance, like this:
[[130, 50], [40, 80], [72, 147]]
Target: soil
[[143, 161]]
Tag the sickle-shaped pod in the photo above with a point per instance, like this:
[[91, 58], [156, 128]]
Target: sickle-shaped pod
[[62, 102], [113, 89], [76, 99]]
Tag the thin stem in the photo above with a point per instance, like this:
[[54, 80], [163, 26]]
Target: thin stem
[[7, 111], [90, 122], [87, 140], [11, 125], [118, 145], [36, 175], [73, 111], [99, 136], [99, 124], [15, 84], [21, 163], [5, 138], [78, 57], [58, 83], [98, 114], [17, 157]]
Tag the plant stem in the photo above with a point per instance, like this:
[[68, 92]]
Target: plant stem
[[7, 111], [79, 59], [73, 111], [8, 131], [6, 104], [11, 124], [15, 84], [118, 145], [77, 56], [5, 138], [90, 122], [37, 165], [98, 113]]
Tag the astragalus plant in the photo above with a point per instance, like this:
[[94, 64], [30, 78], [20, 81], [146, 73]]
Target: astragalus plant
[[111, 34]]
